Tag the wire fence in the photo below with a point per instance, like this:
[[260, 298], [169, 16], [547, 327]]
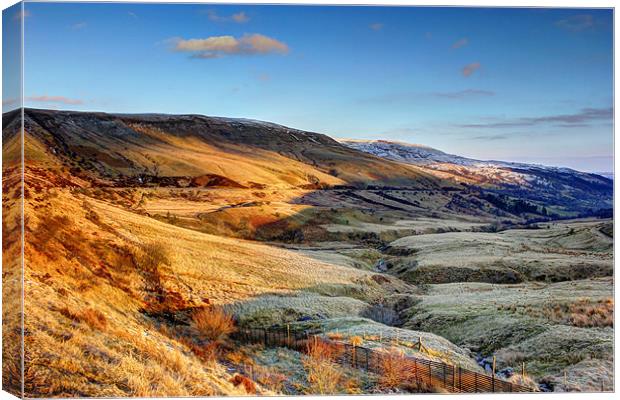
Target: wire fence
[[414, 370]]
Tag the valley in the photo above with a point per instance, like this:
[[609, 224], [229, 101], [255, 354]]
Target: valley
[[135, 224]]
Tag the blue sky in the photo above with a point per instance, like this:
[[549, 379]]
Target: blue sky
[[531, 85]]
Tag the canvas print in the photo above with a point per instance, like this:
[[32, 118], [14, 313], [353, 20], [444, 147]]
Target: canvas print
[[224, 200]]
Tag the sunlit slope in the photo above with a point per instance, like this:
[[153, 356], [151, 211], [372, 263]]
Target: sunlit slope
[[249, 153], [99, 280]]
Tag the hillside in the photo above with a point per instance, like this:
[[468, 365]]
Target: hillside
[[170, 150], [553, 186], [136, 224]]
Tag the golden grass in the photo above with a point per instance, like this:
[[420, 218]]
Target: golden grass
[[324, 376], [94, 335], [582, 313], [393, 373], [213, 323]]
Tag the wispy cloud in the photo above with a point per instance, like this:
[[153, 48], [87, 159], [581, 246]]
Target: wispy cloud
[[470, 69], [54, 99], [219, 46], [408, 97], [132, 14], [460, 43], [377, 26], [576, 23], [578, 119], [490, 137], [240, 17], [79, 25], [464, 94]]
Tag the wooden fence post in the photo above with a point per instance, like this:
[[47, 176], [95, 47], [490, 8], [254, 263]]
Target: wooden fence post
[[430, 375], [288, 334], [565, 385], [453, 377]]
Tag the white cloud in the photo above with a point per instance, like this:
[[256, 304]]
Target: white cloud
[[218, 46]]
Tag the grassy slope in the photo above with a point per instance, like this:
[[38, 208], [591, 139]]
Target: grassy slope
[[564, 251], [84, 253], [194, 145], [84, 265]]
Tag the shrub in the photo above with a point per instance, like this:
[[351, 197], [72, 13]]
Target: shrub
[[213, 323], [323, 375], [154, 255], [248, 385], [356, 340], [393, 371]]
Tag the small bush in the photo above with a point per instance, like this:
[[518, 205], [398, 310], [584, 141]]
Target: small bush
[[323, 375], [356, 340], [393, 370], [213, 323], [248, 385], [154, 255]]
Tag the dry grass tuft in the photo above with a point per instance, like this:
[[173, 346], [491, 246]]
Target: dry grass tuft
[[213, 323], [356, 340], [153, 255], [324, 377], [239, 358], [247, 383], [272, 380], [91, 317], [393, 372], [583, 313], [335, 336]]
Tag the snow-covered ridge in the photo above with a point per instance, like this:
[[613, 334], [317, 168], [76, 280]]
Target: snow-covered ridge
[[424, 155], [467, 169]]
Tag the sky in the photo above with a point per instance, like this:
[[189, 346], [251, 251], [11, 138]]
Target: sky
[[527, 85]]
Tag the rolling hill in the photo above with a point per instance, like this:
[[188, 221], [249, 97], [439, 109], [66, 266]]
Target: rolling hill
[[171, 149], [563, 187]]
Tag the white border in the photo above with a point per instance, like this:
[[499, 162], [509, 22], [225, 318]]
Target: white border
[[470, 3]]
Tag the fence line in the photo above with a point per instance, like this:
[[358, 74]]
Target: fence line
[[412, 369]]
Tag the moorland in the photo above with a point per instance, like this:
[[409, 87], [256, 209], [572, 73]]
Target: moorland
[[148, 239]]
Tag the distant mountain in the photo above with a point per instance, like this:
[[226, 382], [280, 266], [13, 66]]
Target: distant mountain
[[557, 186], [608, 175]]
